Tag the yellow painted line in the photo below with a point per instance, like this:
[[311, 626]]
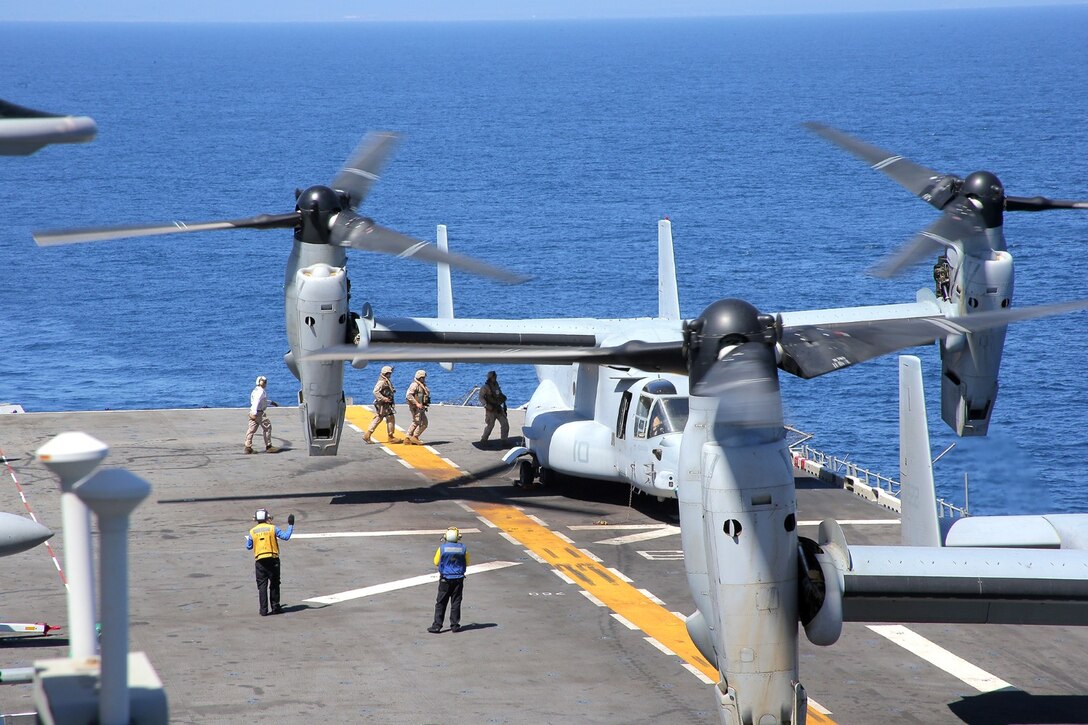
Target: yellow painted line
[[419, 458], [567, 559]]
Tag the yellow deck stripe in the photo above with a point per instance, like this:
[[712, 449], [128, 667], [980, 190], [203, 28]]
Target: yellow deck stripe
[[422, 460], [619, 596]]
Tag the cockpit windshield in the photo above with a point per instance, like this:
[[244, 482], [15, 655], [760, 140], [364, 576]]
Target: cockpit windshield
[[669, 415]]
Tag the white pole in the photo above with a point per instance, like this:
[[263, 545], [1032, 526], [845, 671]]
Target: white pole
[[72, 457], [113, 495]]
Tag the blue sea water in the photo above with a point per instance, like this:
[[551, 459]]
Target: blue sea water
[[551, 148]]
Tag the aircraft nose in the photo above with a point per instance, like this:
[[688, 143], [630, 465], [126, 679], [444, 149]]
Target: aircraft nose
[[19, 534]]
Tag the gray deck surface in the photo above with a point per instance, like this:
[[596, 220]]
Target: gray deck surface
[[533, 651]]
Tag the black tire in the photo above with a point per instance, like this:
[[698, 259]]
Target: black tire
[[547, 476], [526, 473]]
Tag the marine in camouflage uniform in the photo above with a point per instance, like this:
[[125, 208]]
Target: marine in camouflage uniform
[[494, 407], [383, 405], [419, 399]]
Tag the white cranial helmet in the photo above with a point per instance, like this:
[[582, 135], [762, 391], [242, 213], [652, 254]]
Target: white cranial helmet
[[262, 516], [453, 534], [261, 380]]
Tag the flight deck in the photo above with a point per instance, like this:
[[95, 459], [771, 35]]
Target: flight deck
[[572, 609]]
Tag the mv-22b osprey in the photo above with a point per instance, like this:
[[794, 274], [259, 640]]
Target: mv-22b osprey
[[316, 286], [752, 577]]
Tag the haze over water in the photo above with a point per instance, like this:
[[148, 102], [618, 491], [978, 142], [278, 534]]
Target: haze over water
[[551, 148]]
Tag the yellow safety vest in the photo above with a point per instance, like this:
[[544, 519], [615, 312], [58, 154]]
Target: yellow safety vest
[[265, 543]]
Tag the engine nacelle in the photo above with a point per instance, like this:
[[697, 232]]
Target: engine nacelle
[[321, 316], [970, 363], [820, 594]]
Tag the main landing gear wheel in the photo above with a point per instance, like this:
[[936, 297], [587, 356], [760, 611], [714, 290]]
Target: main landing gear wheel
[[547, 476], [526, 474]]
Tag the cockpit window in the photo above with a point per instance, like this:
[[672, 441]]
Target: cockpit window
[[669, 415]]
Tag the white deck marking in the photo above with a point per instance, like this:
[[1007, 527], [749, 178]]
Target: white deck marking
[[561, 535], [535, 556], [404, 583], [644, 536], [509, 538], [818, 707], [653, 599], [660, 646], [624, 620], [592, 556], [592, 598], [486, 522], [563, 576], [357, 534], [698, 673], [536, 519], [939, 657], [620, 575], [355, 428], [617, 527]]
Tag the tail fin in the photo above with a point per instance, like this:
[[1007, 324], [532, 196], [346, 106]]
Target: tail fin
[[917, 492], [445, 286], [668, 300]]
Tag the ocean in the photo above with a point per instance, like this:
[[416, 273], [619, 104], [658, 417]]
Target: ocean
[[551, 148]]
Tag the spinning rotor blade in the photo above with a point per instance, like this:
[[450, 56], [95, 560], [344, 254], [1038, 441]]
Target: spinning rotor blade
[[1041, 203], [944, 232], [364, 165], [96, 234], [810, 350], [649, 356], [927, 184], [745, 379], [358, 232]]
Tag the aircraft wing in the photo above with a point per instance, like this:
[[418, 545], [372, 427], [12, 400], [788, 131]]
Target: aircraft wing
[[985, 586], [821, 341]]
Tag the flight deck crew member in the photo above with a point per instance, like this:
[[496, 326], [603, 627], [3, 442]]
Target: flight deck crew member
[[263, 541], [383, 405], [258, 401], [451, 558], [419, 399], [494, 407]]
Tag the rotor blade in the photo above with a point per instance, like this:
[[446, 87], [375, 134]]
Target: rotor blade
[[357, 232], [648, 356], [950, 227], [1041, 203], [745, 380], [931, 186], [810, 350], [96, 234], [364, 165]]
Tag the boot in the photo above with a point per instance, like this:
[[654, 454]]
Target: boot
[[366, 437], [271, 449], [248, 449]]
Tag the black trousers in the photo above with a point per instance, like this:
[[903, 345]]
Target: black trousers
[[268, 582], [449, 592]]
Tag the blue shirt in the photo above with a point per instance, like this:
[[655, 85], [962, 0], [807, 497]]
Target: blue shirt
[[280, 534]]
